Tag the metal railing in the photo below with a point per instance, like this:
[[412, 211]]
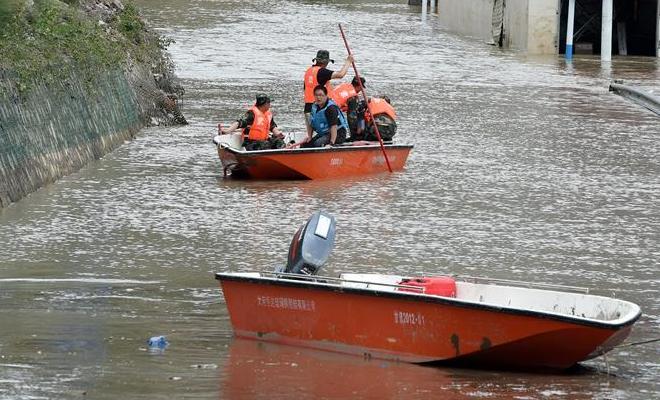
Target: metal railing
[[467, 278], [337, 281], [644, 99], [511, 282]]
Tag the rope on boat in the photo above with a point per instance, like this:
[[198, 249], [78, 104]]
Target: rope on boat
[[638, 343]]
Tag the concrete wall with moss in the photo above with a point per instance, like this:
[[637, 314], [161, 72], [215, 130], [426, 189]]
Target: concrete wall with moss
[[56, 130], [77, 79]]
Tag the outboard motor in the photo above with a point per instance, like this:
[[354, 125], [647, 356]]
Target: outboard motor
[[311, 245]]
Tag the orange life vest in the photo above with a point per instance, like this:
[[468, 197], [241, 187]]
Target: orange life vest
[[311, 81], [261, 124], [380, 106], [342, 93]]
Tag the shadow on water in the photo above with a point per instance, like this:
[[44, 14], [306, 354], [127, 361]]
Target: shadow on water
[[265, 370], [330, 189]]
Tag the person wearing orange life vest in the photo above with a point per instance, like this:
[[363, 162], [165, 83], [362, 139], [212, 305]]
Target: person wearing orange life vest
[[319, 74], [256, 125], [347, 96], [343, 93], [384, 117]]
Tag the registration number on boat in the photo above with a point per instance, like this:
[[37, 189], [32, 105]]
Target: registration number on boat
[[286, 303], [381, 159], [408, 318]]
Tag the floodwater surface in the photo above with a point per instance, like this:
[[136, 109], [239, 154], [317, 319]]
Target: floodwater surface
[[524, 168]]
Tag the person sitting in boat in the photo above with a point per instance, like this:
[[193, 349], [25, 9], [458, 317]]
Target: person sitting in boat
[[362, 125], [319, 74], [327, 121], [256, 124], [348, 98]]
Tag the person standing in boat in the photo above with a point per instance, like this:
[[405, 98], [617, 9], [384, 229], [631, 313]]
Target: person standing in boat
[[256, 124], [326, 120], [319, 74]]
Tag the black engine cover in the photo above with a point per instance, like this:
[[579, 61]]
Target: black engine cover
[[311, 245]]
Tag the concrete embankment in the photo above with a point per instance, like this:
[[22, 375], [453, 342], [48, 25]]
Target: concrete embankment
[[58, 129], [114, 79]]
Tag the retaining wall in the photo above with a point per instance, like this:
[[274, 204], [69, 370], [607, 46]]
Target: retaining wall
[[58, 128]]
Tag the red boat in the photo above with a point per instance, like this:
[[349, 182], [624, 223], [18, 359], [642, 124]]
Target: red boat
[[347, 160], [463, 321]]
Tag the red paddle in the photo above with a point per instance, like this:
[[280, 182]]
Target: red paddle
[[364, 94]]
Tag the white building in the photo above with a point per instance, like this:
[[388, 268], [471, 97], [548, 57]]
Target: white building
[[540, 26]]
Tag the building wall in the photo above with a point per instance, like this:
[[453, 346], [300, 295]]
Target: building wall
[[542, 27], [529, 25], [516, 24], [467, 17]]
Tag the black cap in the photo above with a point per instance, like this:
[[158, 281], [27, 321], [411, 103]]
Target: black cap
[[262, 99], [354, 82], [323, 56]]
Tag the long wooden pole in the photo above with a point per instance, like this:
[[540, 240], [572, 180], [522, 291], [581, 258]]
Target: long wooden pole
[[366, 99]]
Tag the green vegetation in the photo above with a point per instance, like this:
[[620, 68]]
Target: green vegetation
[[8, 8], [52, 39]]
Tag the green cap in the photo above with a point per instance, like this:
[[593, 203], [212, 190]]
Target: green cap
[[262, 99], [323, 56]]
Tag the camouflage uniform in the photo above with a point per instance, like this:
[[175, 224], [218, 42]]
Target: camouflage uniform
[[355, 117], [386, 128], [272, 143]]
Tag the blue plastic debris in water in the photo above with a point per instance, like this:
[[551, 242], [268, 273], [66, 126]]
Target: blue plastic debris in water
[[158, 342]]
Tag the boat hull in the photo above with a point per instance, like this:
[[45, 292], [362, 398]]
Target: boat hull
[[411, 328], [314, 163]]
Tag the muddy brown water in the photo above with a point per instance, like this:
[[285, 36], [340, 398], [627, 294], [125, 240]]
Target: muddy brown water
[[524, 168]]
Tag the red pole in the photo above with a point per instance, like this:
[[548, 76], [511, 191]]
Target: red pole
[[364, 94]]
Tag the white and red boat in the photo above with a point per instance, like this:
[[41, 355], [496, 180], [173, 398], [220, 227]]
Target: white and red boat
[[462, 320]]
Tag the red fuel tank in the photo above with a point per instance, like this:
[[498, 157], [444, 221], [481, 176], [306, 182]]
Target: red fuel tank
[[436, 285]]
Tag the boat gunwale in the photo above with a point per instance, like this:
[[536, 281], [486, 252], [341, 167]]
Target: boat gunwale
[[409, 296], [312, 150]]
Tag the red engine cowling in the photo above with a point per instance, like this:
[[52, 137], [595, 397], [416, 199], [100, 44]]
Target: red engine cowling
[[444, 286]]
